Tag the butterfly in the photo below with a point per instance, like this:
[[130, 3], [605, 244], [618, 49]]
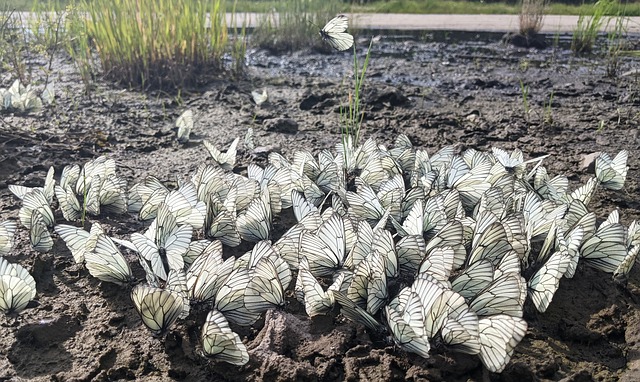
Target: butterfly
[[49, 183], [220, 342], [208, 272], [17, 287], [499, 335], [7, 231], [259, 97], [159, 308], [39, 235], [227, 160], [184, 123], [35, 200], [611, 173], [403, 333], [334, 33], [164, 243], [105, 261]]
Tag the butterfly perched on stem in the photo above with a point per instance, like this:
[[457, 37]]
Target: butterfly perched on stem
[[334, 33]]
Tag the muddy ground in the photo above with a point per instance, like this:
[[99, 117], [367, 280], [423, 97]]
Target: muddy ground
[[455, 92]]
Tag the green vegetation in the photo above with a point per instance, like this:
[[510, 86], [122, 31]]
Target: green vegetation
[[161, 44], [397, 6], [293, 24], [616, 44], [352, 114], [589, 24]]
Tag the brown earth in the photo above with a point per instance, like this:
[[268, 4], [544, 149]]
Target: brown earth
[[463, 93]]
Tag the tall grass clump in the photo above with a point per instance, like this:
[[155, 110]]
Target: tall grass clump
[[294, 24], [616, 42], [531, 16], [589, 24], [160, 44]]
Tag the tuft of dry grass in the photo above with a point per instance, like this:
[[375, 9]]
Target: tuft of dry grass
[[532, 16]]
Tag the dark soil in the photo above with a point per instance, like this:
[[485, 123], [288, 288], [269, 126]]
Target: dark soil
[[463, 93]]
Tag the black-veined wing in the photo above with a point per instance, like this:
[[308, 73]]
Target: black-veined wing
[[265, 290], [7, 231], [499, 335], [184, 123], [325, 249], [606, 249], [612, 173], [220, 342], [316, 300], [230, 298], [505, 295], [225, 160], [438, 263], [47, 190], [411, 251], [355, 313], [17, 287], [185, 206], [35, 200], [177, 282], [158, 308], [106, 263], [39, 235], [473, 279], [625, 266], [208, 273], [254, 224], [334, 33], [404, 335], [544, 283], [69, 204]]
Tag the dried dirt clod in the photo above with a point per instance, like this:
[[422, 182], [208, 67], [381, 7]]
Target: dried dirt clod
[[281, 125]]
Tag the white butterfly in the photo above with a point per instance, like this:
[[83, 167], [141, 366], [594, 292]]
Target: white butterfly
[[7, 231], [325, 249], [159, 308], [225, 160], [611, 173], [544, 283], [230, 298], [335, 33], [185, 206], [105, 262], [17, 287], [184, 123], [255, 223], [316, 300], [77, 240], [69, 204], [164, 243], [35, 200], [220, 342], [208, 273], [355, 313], [403, 333], [259, 97], [249, 143], [39, 235], [606, 249], [499, 335], [505, 295], [49, 183]]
